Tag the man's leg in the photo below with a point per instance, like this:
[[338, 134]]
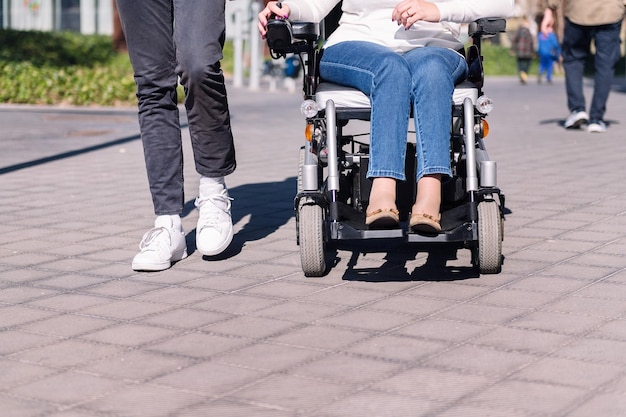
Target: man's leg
[[148, 30], [576, 42], [607, 43], [199, 34]]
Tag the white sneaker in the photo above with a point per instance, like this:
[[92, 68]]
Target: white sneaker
[[597, 126], [576, 119], [215, 225], [160, 246]]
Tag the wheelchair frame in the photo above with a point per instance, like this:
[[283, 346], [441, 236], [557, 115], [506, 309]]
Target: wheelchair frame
[[332, 208]]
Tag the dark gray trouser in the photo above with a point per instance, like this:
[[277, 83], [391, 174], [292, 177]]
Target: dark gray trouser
[[167, 39]]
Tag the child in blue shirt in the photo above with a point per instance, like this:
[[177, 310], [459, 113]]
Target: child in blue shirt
[[549, 51]]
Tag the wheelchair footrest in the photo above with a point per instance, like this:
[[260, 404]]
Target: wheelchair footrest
[[455, 217], [345, 231], [351, 226]]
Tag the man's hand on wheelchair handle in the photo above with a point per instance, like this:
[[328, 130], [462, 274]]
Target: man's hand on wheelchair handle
[[273, 9]]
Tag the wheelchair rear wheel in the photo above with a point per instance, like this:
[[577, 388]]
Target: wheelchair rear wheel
[[488, 249], [311, 238]]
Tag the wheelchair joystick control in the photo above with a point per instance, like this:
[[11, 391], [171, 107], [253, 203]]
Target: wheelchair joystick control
[[279, 35]]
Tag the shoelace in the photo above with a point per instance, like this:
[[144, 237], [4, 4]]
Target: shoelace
[[211, 217], [150, 241]]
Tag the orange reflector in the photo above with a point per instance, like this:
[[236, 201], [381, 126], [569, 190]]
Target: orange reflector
[[485, 128], [308, 132]]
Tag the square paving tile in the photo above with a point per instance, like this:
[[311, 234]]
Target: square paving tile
[[320, 337], [198, 345], [136, 366], [481, 360], [145, 401], [293, 394], [67, 388], [210, 378]]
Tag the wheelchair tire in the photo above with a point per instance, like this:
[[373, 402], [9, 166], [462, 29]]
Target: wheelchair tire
[[311, 237], [488, 251]]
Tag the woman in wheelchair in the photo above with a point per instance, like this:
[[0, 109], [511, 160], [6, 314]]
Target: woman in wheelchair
[[405, 56]]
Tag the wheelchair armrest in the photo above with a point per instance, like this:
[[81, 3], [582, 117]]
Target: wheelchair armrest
[[485, 27], [307, 31], [477, 30]]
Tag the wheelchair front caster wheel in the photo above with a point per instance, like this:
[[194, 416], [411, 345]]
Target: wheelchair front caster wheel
[[487, 252], [311, 238]]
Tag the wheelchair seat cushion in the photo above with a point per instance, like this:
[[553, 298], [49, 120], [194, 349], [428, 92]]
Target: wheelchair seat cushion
[[352, 98]]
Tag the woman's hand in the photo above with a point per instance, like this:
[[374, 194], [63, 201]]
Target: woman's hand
[[407, 12], [281, 11]]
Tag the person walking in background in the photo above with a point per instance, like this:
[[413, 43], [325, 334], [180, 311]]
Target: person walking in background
[[523, 44], [549, 52], [170, 40], [600, 21]]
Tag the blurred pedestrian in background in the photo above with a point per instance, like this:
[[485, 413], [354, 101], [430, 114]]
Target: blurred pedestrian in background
[[523, 44], [549, 52]]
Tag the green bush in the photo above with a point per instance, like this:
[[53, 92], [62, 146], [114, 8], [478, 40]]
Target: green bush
[[55, 49], [63, 68], [68, 68], [110, 84]]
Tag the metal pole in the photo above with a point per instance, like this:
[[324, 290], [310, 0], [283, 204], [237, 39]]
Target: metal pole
[[255, 48], [97, 16], [238, 49]]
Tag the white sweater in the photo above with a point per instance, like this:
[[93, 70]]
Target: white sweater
[[370, 20]]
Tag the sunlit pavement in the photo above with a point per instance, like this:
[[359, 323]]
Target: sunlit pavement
[[390, 331]]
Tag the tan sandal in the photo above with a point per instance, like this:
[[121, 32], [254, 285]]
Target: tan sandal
[[388, 218], [425, 223]]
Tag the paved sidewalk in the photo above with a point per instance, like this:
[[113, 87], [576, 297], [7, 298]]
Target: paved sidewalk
[[394, 331]]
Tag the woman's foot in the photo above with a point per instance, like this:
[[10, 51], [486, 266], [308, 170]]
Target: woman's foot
[[425, 217], [383, 218], [425, 223], [381, 211]]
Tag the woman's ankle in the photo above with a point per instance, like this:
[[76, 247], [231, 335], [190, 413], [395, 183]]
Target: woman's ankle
[[428, 198], [382, 194]]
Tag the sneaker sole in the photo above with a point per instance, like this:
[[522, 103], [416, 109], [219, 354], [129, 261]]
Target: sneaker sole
[[219, 249], [151, 267], [577, 124]]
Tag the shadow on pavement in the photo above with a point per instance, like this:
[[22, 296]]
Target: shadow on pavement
[[68, 154], [396, 268], [269, 206], [561, 122]]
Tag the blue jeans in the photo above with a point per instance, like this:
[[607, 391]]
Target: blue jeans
[[424, 78], [576, 49], [168, 39]]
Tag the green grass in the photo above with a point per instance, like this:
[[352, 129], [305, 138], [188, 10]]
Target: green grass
[[74, 69]]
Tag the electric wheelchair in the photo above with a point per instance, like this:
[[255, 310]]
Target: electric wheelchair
[[333, 190]]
